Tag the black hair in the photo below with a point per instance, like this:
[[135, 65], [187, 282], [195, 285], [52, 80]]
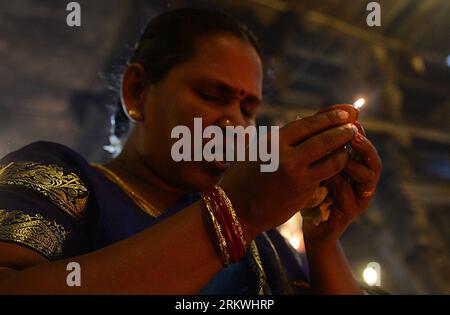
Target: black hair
[[169, 39]]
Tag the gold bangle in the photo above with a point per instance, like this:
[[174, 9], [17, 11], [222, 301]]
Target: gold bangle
[[236, 224], [222, 242]]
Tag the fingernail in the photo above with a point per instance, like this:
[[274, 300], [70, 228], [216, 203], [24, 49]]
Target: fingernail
[[342, 114], [354, 128]]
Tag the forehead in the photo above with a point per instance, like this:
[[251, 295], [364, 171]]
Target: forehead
[[228, 59]]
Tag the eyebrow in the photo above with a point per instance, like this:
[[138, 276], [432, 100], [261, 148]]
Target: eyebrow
[[228, 89]]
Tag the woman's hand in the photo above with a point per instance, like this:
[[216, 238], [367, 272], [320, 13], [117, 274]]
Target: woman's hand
[[352, 192], [310, 151]]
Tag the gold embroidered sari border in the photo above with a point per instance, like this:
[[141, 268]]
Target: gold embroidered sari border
[[44, 236], [66, 191]]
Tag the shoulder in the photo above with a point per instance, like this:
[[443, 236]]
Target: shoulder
[[51, 170], [44, 192], [46, 152]]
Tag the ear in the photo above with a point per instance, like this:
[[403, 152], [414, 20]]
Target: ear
[[134, 87]]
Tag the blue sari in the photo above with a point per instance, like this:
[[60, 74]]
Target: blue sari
[[54, 202]]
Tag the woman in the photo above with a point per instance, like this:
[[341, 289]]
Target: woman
[[144, 224]]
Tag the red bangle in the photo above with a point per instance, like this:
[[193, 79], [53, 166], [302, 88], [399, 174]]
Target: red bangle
[[218, 239], [229, 222], [218, 213], [228, 229], [222, 214]]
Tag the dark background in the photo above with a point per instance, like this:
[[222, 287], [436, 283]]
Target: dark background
[[53, 86]]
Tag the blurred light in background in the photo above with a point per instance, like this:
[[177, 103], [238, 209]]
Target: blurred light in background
[[295, 242], [418, 65], [291, 230], [371, 274]]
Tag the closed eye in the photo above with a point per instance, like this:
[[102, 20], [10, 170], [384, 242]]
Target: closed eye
[[209, 96]]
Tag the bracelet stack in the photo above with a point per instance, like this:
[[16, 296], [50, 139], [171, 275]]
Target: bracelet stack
[[228, 231]]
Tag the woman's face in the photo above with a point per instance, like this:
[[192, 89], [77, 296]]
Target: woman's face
[[221, 83]]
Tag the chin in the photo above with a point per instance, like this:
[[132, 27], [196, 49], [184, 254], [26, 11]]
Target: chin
[[199, 176]]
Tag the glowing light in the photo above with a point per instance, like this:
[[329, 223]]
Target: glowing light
[[448, 60], [370, 275], [292, 232], [418, 64], [359, 102], [295, 242]]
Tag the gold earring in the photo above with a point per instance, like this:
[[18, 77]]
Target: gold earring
[[135, 114]]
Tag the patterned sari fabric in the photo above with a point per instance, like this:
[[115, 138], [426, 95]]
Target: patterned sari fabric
[[54, 202]]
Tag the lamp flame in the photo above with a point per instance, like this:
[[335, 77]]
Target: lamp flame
[[359, 103]]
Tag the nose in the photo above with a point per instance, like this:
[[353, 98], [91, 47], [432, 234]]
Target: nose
[[233, 117]]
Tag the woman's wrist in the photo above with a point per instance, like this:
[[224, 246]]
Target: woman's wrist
[[321, 246], [249, 228], [232, 233]]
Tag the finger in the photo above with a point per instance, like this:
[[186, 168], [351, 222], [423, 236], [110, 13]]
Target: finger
[[329, 166], [300, 129], [364, 179], [360, 128], [343, 194], [369, 153], [322, 144], [350, 109], [360, 173]]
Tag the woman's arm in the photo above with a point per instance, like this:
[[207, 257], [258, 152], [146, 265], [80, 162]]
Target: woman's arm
[[329, 270], [175, 256]]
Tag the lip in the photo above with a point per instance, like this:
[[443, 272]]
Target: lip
[[221, 165]]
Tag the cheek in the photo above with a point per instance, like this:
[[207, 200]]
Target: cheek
[[187, 107], [163, 113]]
